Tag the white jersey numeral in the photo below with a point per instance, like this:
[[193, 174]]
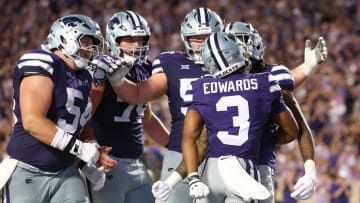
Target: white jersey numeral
[[240, 121], [184, 88], [125, 116], [79, 118]]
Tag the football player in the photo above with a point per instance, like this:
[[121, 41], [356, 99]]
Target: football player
[[255, 49], [120, 125], [235, 107], [51, 106], [247, 34], [171, 75]]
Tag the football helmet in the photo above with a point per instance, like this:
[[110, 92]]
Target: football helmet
[[223, 54], [200, 21], [66, 33], [128, 24], [247, 34]]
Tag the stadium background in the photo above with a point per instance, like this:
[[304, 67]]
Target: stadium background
[[330, 99]]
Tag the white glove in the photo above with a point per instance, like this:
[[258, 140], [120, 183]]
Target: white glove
[[162, 189], [315, 56], [105, 66], [198, 189], [87, 152], [305, 186], [95, 175], [64, 141]]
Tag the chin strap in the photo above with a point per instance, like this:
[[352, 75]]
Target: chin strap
[[80, 62]]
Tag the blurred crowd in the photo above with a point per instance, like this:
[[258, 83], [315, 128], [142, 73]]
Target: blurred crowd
[[330, 99]]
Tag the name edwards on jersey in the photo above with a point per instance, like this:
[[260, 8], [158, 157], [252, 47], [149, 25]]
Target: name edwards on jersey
[[230, 86]]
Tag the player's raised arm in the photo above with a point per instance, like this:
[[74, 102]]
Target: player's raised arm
[[115, 71], [136, 93], [313, 57]]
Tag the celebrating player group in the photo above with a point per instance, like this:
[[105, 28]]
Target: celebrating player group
[[82, 106]]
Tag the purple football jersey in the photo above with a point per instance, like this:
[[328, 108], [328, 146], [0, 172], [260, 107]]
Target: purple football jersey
[[119, 124], [70, 108], [180, 72], [287, 82], [236, 109], [282, 75]]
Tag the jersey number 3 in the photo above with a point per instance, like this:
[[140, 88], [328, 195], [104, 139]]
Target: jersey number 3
[[240, 121]]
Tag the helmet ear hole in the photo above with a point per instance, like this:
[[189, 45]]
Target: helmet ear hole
[[63, 40], [118, 40]]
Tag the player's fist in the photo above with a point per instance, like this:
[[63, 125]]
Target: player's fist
[[198, 189], [88, 152], [161, 190]]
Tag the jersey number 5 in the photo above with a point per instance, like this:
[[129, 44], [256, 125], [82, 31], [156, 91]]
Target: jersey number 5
[[185, 87], [79, 118]]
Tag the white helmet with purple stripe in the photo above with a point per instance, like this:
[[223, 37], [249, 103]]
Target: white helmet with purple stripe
[[247, 34], [223, 54], [128, 24], [200, 21]]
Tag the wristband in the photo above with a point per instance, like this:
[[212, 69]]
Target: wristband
[[173, 179], [61, 139], [70, 144], [307, 69], [193, 178], [75, 148], [309, 167]]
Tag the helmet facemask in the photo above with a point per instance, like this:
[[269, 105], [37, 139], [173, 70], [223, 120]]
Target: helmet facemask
[[91, 51], [134, 54]]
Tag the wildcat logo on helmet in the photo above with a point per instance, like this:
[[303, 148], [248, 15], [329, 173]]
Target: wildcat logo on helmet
[[73, 22]]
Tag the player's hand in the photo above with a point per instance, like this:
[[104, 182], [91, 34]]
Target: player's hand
[[95, 175], [105, 161], [88, 152], [161, 190], [315, 56], [198, 189], [105, 66], [304, 188]]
